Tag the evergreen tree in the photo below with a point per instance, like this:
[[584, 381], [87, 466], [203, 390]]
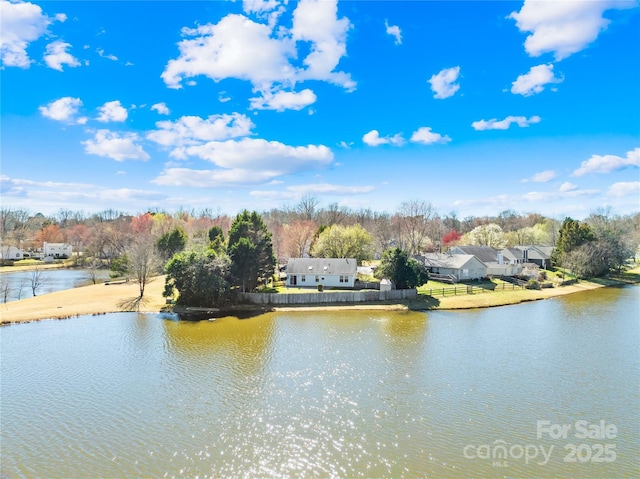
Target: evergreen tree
[[405, 272], [171, 243], [573, 234], [251, 251], [200, 276]]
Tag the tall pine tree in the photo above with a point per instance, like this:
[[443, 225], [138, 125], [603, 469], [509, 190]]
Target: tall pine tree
[[251, 251]]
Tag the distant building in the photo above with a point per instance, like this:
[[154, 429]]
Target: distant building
[[329, 272], [57, 250], [11, 252], [459, 266]]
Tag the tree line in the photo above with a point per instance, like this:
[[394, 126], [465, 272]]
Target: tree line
[[242, 252]]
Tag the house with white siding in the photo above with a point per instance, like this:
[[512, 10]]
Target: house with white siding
[[328, 272], [460, 266], [11, 253], [57, 250]]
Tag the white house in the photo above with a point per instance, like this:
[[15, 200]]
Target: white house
[[11, 252], [505, 262], [329, 272], [57, 250], [461, 266]]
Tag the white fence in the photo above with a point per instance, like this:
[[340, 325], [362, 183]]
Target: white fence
[[327, 297]]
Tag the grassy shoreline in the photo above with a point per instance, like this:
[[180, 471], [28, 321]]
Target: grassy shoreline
[[101, 299]]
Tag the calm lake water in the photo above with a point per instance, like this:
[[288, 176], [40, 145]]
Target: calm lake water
[[346, 394], [50, 281]]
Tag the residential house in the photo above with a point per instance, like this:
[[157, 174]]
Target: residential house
[[498, 262], [57, 250], [538, 254], [459, 266], [11, 253], [329, 272]]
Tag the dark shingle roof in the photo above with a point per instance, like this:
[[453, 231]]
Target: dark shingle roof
[[486, 254]]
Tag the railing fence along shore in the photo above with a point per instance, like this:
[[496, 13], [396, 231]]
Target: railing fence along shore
[[327, 297]]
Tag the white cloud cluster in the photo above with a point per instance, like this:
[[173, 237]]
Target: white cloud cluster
[[373, 138], [64, 109], [56, 56], [535, 80], [20, 24], [116, 146], [608, 163], [542, 177], [443, 83], [108, 56], [495, 124], [238, 47], [193, 130], [298, 191], [624, 188], [422, 135], [37, 194], [563, 28], [245, 161], [222, 140], [161, 108], [394, 31], [283, 100], [425, 136], [112, 111]]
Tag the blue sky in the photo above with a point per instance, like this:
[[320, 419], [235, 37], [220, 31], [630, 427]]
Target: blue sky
[[476, 107]]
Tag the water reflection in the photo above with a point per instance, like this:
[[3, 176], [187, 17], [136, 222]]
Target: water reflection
[[318, 394]]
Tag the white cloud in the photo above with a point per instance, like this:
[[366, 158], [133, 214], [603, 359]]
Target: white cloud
[[608, 163], [566, 186], [563, 28], [394, 31], [297, 191], [161, 108], [260, 154], [238, 47], [116, 146], [38, 194], [495, 124], [112, 111], [257, 6], [316, 22], [624, 188], [193, 130], [444, 83], [245, 162], [534, 80], [57, 55], [425, 136], [20, 24], [542, 177], [373, 138], [283, 100], [111, 57], [64, 109]]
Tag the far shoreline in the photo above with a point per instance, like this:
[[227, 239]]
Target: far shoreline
[[103, 299]]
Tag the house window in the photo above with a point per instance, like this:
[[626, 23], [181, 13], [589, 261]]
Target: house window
[[302, 278], [465, 273], [317, 279], [344, 278]]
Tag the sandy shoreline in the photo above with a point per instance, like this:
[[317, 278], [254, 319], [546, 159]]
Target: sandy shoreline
[[100, 299]]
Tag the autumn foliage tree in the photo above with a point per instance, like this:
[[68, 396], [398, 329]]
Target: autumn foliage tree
[[50, 234], [451, 238]]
